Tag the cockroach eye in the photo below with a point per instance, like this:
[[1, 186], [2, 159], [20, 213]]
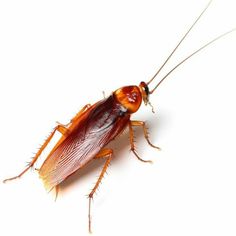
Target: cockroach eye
[[86, 136], [145, 92]]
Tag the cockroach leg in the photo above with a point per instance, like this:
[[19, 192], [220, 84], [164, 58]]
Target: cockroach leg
[[57, 128], [77, 116], [145, 131], [132, 148], [105, 153], [65, 129], [62, 129]]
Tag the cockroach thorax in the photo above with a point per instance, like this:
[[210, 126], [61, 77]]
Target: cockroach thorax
[[129, 97]]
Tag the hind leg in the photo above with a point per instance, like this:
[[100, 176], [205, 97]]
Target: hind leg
[[63, 129], [59, 128], [105, 153]]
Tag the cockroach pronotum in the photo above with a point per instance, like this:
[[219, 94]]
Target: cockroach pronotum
[[85, 138]]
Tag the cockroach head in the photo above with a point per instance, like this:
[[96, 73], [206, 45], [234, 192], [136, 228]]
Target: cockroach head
[[145, 92]]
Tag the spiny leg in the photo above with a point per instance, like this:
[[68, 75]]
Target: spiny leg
[[77, 116], [74, 119], [63, 129], [105, 153], [59, 128], [132, 147], [145, 131]]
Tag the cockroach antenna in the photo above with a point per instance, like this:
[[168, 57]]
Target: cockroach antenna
[[188, 57], [192, 54]]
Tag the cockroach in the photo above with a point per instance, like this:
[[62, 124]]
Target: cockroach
[[86, 136]]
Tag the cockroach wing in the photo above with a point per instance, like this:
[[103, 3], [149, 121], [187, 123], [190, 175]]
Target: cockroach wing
[[99, 126]]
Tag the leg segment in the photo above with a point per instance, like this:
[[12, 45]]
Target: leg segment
[[77, 116], [132, 148], [145, 131], [105, 153], [69, 126], [59, 128], [63, 129]]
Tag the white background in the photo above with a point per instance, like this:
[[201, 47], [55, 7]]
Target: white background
[[56, 56]]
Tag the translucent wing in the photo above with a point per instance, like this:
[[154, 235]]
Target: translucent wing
[[102, 124]]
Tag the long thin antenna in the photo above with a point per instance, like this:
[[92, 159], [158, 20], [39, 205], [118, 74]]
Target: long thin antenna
[[188, 57], [186, 34]]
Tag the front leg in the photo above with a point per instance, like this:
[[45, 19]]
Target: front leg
[[145, 131], [132, 147]]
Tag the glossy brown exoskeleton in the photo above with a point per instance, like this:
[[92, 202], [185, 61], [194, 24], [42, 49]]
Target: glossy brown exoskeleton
[[86, 136]]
